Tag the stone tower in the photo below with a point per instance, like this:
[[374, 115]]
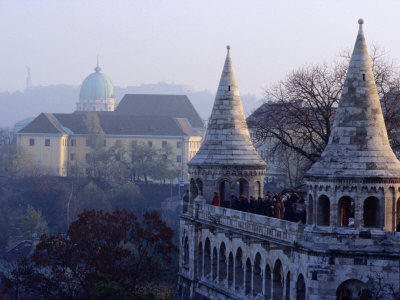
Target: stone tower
[[348, 250], [227, 161], [357, 180]]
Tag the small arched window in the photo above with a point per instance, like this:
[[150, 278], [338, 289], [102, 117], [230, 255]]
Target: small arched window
[[323, 209], [371, 212]]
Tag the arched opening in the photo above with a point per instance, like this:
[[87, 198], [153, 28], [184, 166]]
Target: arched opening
[[323, 211], [288, 286], [277, 281], [215, 264], [239, 269], [230, 270], [248, 277], [193, 190], [257, 276], [352, 289], [186, 252], [267, 282], [371, 212], [224, 192], [207, 258], [200, 262], [300, 288], [310, 210], [398, 215], [346, 211], [199, 185], [257, 189], [242, 188], [222, 264]]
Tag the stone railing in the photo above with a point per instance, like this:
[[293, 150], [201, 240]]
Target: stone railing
[[265, 226]]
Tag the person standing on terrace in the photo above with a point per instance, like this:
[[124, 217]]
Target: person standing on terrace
[[216, 200]]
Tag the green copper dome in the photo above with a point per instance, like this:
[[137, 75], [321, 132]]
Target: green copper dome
[[97, 86]]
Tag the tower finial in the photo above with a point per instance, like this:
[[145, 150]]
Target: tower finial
[[228, 48], [97, 69], [361, 21]]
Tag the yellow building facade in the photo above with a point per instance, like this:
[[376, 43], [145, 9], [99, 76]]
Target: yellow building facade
[[55, 143], [53, 155]]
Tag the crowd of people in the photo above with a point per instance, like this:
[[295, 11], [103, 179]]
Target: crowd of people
[[286, 206]]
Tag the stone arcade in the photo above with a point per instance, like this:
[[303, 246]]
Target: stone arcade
[[228, 254]]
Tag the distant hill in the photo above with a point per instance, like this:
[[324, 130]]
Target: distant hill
[[18, 106]]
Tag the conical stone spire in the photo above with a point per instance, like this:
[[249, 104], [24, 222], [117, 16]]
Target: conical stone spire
[[227, 140], [358, 145]]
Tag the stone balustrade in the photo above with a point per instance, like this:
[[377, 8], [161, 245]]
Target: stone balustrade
[[265, 226]]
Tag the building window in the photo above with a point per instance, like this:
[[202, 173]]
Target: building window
[[164, 144], [73, 142], [118, 142], [105, 143], [87, 143], [150, 143], [47, 142], [72, 157], [87, 157], [178, 158], [31, 142], [164, 157], [178, 144]]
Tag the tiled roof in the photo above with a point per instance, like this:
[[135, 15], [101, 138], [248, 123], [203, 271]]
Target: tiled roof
[[176, 106], [44, 123], [185, 125], [111, 123]]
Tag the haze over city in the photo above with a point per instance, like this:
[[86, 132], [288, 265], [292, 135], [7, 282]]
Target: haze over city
[[181, 42], [200, 150]]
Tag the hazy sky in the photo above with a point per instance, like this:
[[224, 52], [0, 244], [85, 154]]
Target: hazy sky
[[182, 41]]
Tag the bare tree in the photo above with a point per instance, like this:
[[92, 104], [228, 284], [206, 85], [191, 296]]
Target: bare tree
[[7, 136], [299, 110], [379, 288]]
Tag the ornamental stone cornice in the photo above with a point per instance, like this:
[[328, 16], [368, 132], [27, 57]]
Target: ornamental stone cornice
[[227, 171]]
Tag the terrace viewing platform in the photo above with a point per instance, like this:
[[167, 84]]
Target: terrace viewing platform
[[257, 226], [284, 232]]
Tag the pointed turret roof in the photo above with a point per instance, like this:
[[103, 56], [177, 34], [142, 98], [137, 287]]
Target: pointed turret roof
[[227, 141], [358, 145]]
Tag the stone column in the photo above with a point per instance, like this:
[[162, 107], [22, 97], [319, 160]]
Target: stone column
[[334, 208], [218, 266], [252, 281], [244, 270], [226, 267], [234, 273], [263, 280], [315, 208], [395, 212], [358, 207], [389, 209]]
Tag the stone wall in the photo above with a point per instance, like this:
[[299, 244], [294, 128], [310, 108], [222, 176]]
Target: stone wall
[[227, 254]]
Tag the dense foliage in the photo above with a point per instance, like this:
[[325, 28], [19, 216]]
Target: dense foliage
[[102, 256]]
